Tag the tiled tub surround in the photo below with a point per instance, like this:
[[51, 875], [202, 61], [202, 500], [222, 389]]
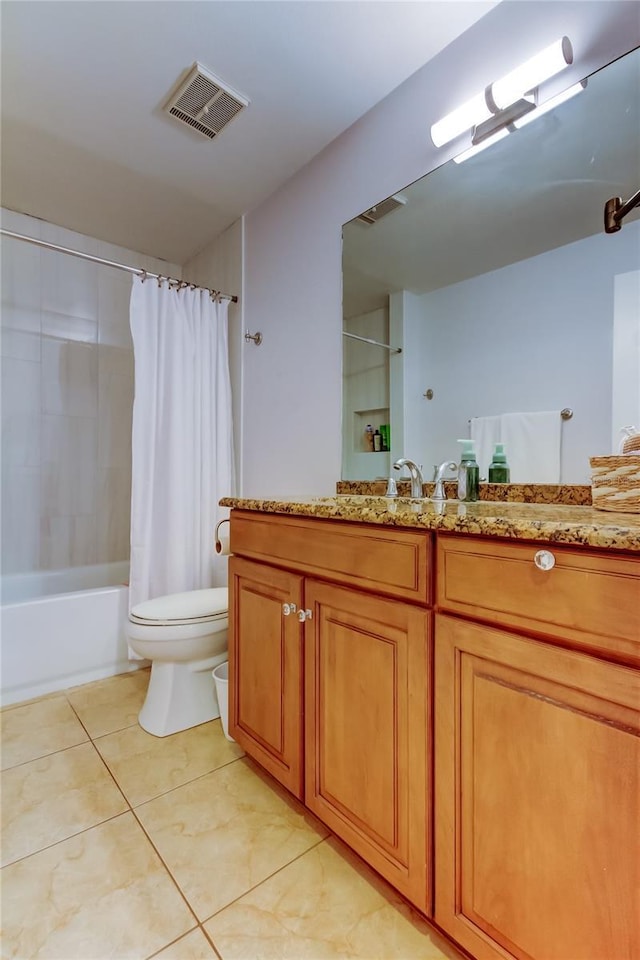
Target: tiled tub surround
[[556, 523], [119, 844], [67, 394]]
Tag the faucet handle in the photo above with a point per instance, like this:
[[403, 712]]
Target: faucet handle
[[438, 493], [392, 488]]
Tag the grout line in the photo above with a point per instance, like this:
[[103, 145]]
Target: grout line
[[264, 880], [179, 786], [75, 713], [172, 943], [71, 836], [209, 940], [166, 866], [43, 756]]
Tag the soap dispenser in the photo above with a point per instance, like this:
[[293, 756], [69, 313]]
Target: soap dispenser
[[499, 468], [468, 473]]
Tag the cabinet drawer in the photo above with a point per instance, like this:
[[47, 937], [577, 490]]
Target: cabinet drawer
[[589, 599], [388, 561]]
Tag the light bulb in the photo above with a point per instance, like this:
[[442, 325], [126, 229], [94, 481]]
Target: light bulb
[[531, 73], [470, 114]]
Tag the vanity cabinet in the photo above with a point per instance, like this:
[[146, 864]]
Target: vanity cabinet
[[367, 723], [467, 722], [537, 759], [365, 653], [266, 680]]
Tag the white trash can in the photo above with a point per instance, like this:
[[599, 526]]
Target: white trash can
[[221, 678]]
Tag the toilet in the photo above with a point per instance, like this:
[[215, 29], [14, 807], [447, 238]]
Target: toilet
[[184, 635]]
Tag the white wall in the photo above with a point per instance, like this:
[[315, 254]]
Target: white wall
[[219, 266], [67, 396], [535, 335], [292, 386]]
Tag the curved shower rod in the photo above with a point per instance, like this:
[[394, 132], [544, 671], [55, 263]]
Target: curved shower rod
[[615, 211]]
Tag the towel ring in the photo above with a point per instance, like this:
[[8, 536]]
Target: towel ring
[[218, 544]]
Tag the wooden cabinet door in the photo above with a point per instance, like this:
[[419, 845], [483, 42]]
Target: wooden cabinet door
[[367, 672], [537, 809], [265, 669]]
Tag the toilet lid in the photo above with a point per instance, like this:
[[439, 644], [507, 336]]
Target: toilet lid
[[193, 606]]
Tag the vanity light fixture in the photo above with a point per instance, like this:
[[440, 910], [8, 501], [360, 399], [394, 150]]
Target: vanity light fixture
[[529, 75], [550, 104], [471, 152], [506, 103]]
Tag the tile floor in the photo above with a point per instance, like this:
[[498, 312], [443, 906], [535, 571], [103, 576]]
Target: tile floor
[[119, 844]]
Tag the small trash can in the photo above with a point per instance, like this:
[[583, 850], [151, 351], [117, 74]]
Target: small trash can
[[221, 678]]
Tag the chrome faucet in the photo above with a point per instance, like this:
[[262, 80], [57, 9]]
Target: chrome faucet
[[416, 476], [438, 493]]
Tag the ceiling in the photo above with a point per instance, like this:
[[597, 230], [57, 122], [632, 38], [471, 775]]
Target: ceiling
[[85, 141], [541, 188]]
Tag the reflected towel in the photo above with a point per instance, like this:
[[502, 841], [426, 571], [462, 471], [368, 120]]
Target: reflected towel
[[532, 444], [485, 433]]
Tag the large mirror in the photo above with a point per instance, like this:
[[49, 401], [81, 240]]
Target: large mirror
[[496, 281]]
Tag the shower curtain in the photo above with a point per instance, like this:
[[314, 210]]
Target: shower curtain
[[182, 456]]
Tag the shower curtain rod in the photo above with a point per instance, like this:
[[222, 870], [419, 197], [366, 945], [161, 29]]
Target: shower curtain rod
[[375, 343], [112, 263]]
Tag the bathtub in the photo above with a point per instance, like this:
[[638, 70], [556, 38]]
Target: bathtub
[[62, 628]]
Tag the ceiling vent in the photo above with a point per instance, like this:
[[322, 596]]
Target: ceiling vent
[[204, 102], [382, 209]]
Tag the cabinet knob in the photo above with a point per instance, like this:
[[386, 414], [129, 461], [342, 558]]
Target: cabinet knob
[[304, 615], [544, 560], [288, 608]]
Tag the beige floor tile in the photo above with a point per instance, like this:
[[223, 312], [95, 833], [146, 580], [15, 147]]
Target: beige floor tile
[[37, 729], [326, 906], [226, 832], [111, 704], [47, 800], [147, 766], [194, 946], [103, 893]]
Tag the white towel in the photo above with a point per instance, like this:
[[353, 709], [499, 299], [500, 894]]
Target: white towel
[[532, 445], [485, 433]]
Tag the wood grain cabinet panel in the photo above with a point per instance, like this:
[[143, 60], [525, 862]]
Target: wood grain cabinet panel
[[381, 559], [367, 730], [537, 806], [586, 599], [266, 670]]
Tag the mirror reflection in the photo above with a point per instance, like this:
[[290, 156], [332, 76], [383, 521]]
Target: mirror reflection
[[496, 281]]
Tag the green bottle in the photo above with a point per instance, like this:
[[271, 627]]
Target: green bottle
[[499, 468], [468, 473]]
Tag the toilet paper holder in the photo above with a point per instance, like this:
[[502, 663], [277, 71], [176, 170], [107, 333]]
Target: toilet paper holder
[[220, 546]]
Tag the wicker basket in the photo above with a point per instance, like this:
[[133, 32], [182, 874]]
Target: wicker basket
[[615, 483]]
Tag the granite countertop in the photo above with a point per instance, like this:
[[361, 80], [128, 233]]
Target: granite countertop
[[557, 523]]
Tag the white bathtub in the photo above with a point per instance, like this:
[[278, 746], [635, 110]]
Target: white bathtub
[[62, 628]]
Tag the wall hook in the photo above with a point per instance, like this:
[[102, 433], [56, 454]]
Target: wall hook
[[256, 337]]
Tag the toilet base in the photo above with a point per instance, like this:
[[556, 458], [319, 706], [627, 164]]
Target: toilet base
[[179, 696]]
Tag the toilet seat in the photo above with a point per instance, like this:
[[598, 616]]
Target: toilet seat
[[190, 607]]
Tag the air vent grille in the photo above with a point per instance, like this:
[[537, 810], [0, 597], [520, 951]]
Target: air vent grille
[[382, 209], [204, 103]]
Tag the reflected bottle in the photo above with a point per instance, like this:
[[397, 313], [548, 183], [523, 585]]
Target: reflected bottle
[[468, 473], [368, 438], [499, 468]]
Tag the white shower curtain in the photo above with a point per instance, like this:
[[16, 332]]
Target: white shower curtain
[[182, 456]]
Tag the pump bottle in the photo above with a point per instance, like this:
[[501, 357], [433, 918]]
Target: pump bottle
[[499, 468], [468, 473]]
